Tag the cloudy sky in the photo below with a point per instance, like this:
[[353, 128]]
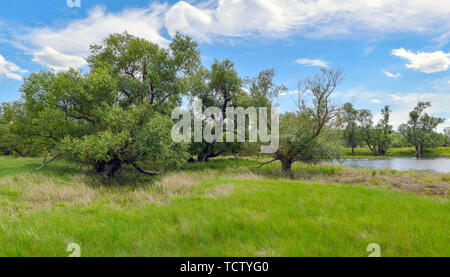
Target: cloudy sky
[[393, 52]]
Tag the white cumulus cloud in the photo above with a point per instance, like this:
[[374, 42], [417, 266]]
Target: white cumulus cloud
[[206, 20], [376, 101], [10, 70], [312, 62], [67, 45], [57, 61], [392, 75], [427, 62]]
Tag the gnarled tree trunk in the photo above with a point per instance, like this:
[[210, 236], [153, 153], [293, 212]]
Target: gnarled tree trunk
[[207, 154], [203, 157], [286, 166], [109, 169]]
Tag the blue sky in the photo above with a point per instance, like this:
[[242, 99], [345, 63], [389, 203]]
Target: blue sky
[[393, 52]]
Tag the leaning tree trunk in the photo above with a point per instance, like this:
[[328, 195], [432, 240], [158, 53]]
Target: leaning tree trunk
[[286, 166], [203, 157], [206, 154], [18, 152], [375, 151]]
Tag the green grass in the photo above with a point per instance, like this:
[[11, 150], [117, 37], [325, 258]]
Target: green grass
[[213, 209], [11, 166], [399, 152]]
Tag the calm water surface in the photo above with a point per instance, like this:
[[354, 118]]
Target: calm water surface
[[436, 164]]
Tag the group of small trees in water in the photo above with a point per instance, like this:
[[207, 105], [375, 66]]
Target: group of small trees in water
[[118, 114], [419, 131]]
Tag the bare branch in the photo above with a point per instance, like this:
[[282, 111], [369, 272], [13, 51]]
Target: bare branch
[[271, 161], [314, 97], [45, 162]]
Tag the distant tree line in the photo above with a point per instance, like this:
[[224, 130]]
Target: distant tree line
[[419, 131]]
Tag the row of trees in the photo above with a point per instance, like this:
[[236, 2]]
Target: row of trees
[[419, 131], [119, 113]]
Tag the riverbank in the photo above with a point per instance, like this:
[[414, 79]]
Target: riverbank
[[224, 207], [440, 152]]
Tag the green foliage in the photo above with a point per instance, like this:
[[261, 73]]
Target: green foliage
[[307, 135], [296, 142], [398, 140], [447, 136], [118, 113], [351, 133], [378, 138], [219, 87], [420, 129], [222, 87], [19, 133], [262, 90]]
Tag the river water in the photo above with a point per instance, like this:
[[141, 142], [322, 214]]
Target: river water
[[435, 164]]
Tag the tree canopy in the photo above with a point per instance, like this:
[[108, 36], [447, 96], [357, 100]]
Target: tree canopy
[[420, 129], [305, 134], [118, 113]]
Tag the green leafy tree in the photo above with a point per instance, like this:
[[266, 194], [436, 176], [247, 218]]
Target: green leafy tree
[[9, 142], [447, 136], [219, 87], [351, 134], [383, 131], [262, 92], [419, 131], [18, 133], [119, 113], [377, 138], [398, 140], [307, 135], [365, 121]]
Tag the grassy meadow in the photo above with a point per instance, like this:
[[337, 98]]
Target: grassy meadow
[[225, 207]]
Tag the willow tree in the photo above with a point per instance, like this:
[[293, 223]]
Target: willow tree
[[377, 137], [447, 136], [222, 87], [420, 130], [12, 139], [119, 112], [218, 87], [306, 135], [383, 131], [351, 134]]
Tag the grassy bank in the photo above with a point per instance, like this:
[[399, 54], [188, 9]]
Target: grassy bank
[[440, 152], [222, 208]]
